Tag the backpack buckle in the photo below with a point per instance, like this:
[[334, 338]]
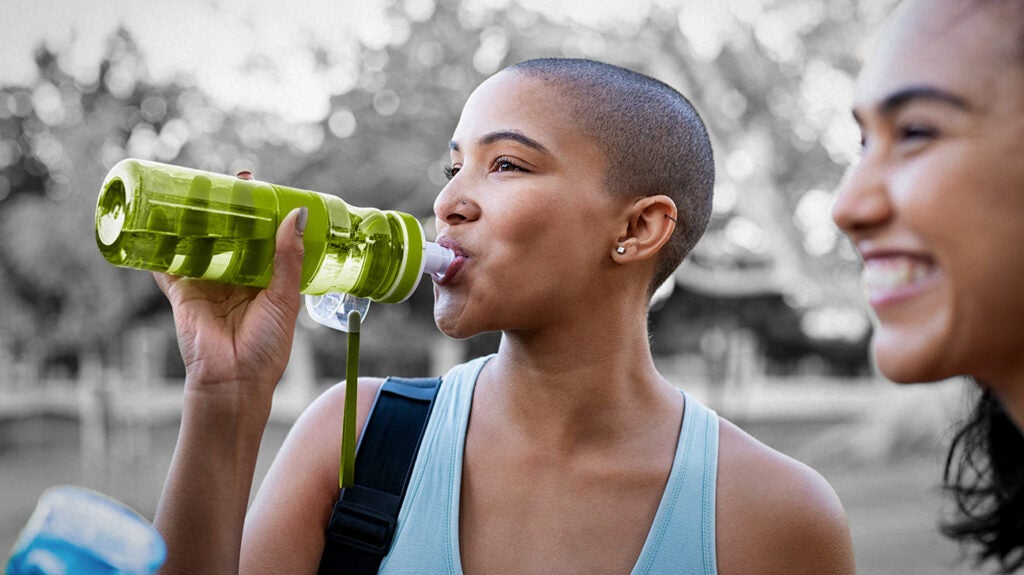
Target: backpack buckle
[[361, 527]]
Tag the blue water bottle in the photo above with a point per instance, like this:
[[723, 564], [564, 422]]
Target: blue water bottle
[[76, 531]]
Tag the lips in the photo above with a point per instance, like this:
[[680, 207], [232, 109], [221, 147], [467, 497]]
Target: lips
[[893, 277], [453, 269]]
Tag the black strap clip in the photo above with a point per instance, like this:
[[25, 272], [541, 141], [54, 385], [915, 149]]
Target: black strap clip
[[361, 527]]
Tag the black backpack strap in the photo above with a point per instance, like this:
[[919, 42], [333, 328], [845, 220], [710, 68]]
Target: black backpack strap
[[363, 522]]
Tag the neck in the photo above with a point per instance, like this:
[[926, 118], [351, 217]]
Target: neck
[[1007, 384], [1012, 398], [576, 385]]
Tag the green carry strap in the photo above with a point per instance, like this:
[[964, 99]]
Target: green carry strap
[[347, 465]]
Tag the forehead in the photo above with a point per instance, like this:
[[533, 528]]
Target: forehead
[[509, 101], [967, 47]]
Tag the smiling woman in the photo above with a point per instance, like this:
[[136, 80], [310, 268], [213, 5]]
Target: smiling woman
[[936, 209]]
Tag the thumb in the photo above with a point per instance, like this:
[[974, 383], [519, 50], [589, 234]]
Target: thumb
[[286, 278]]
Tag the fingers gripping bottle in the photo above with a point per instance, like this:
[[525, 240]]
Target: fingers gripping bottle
[[187, 222]]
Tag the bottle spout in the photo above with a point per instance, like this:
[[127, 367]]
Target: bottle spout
[[436, 259]]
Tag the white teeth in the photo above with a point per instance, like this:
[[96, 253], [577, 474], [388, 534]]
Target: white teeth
[[893, 273]]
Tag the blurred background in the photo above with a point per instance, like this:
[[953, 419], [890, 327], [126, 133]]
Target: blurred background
[[764, 321]]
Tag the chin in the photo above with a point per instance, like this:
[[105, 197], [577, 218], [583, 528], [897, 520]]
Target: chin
[[460, 317], [453, 326], [908, 364], [454, 333]]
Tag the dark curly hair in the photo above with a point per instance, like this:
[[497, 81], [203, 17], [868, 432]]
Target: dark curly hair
[[985, 475]]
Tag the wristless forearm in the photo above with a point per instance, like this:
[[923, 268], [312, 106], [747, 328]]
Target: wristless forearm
[[202, 508]]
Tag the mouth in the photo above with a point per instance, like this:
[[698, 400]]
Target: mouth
[[453, 269], [894, 277]]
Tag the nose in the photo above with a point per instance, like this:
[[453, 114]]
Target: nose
[[863, 202], [454, 206]]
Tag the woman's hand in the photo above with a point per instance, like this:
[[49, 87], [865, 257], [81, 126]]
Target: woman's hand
[[235, 342], [237, 339]]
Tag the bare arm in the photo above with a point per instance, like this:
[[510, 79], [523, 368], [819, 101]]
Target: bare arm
[[284, 530], [235, 343]]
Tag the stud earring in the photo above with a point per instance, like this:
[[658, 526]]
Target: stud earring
[[620, 250]]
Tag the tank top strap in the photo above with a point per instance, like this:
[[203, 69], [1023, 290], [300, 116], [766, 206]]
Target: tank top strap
[[682, 537], [427, 532]]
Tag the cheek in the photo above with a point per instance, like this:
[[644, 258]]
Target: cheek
[[967, 208], [931, 192], [519, 219], [523, 235], [544, 236], [987, 293]]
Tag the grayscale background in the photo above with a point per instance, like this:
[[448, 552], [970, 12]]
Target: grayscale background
[[764, 322]]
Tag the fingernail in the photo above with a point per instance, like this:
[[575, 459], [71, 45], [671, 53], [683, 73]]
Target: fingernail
[[300, 222], [245, 175]]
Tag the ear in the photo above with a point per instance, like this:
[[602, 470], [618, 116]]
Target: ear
[[649, 225]]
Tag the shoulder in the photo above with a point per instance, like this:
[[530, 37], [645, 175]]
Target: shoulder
[[315, 438], [775, 514], [329, 406], [284, 526], [314, 442]]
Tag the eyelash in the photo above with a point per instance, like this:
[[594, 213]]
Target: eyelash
[[916, 131], [501, 164], [502, 161], [905, 132]]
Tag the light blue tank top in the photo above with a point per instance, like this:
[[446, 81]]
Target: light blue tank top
[[681, 539]]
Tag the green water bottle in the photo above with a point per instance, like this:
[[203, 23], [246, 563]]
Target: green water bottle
[[191, 223]]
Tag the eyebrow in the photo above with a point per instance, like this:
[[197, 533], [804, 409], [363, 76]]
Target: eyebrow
[[503, 135], [902, 98]]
